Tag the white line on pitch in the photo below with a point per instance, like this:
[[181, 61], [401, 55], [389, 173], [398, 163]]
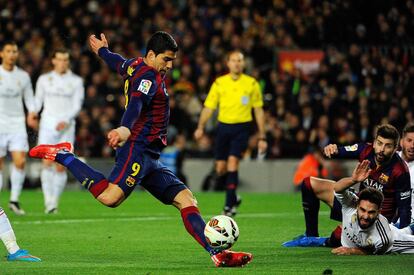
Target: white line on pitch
[[152, 218]]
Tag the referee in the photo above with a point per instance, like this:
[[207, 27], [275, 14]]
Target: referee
[[235, 95]]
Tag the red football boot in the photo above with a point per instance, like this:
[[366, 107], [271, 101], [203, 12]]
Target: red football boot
[[228, 258], [49, 151]]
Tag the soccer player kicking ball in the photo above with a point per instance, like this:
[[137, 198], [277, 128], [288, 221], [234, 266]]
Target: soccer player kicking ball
[[139, 140], [9, 239]]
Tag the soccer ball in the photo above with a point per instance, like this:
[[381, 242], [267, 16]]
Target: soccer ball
[[221, 232]]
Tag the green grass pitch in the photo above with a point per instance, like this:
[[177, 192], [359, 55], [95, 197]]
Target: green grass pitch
[[142, 236]]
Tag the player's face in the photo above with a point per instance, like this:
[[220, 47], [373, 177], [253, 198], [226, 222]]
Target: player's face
[[163, 61], [384, 149], [9, 55], [61, 62], [407, 145], [236, 63], [367, 213]]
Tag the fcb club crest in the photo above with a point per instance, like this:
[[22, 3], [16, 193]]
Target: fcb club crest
[[383, 179], [130, 181]]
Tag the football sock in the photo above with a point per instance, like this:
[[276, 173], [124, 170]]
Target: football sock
[[335, 239], [91, 179], [46, 177], [195, 226], [310, 204], [232, 181], [60, 179], [6, 233], [17, 179]]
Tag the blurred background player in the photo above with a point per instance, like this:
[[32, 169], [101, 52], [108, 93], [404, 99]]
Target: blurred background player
[[311, 165], [9, 239], [139, 141], [389, 175], [365, 230], [60, 93], [235, 95], [15, 86]]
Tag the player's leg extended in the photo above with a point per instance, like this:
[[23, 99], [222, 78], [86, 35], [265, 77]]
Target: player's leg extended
[[93, 180], [17, 177], [315, 190], [195, 225], [60, 179], [9, 239], [46, 179]]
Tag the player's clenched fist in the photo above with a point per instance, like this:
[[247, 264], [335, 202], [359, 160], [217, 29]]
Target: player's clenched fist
[[330, 150]]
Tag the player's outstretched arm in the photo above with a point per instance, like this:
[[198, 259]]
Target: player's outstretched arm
[[95, 43], [100, 48], [342, 250], [360, 173]]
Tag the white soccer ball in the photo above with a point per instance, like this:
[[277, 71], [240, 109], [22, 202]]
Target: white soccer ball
[[221, 232]]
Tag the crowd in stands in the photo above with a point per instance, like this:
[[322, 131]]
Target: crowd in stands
[[366, 76]]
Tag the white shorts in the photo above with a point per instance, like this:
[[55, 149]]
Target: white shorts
[[52, 136], [13, 143]]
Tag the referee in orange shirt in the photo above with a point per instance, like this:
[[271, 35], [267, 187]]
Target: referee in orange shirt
[[235, 95]]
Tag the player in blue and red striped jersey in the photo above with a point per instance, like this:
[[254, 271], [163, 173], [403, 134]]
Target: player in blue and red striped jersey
[[139, 140], [389, 174]]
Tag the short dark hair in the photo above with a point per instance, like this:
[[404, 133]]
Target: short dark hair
[[161, 42], [409, 128], [7, 42], [372, 195], [389, 132], [60, 50]]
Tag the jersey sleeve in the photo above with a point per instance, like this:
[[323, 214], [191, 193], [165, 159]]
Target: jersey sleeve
[[257, 99], [39, 94], [351, 151], [403, 198], [347, 199], [213, 97], [144, 86], [79, 94], [384, 240], [28, 96], [115, 61]]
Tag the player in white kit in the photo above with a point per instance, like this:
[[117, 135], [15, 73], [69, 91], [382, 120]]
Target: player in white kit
[[407, 154], [15, 85], [60, 93], [9, 239], [364, 229]]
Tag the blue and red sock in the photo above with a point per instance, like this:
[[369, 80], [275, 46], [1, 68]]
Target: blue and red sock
[[310, 204], [195, 226], [232, 181], [94, 181]]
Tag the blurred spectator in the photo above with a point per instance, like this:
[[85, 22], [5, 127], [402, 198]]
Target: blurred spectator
[[366, 76]]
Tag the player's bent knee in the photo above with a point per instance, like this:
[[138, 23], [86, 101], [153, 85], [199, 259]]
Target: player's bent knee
[[185, 199], [110, 198]]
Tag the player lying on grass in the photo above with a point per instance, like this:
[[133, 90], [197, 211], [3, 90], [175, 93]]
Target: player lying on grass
[[138, 142], [389, 175], [9, 239], [364, 229]]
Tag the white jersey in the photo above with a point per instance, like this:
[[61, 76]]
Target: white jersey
[[61, 97], [411, 169], [379, 238], [15, 86]]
